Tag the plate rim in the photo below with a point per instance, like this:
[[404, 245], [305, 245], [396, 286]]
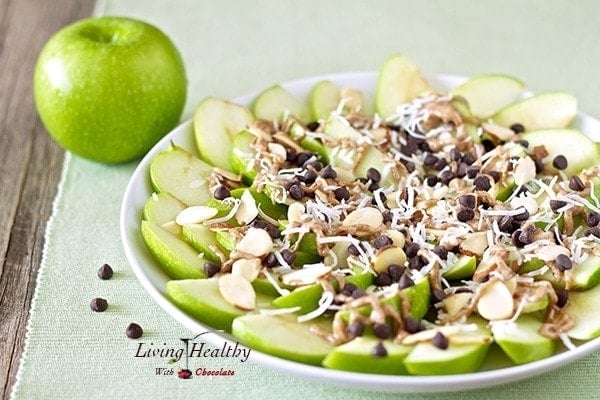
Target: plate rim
[[373, 382]]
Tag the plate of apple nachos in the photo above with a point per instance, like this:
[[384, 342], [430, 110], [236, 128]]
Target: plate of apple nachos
[[388, 230]]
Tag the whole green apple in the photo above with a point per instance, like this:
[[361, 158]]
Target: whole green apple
[[109, 88]]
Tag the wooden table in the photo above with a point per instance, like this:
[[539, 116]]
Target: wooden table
[[30, 165]]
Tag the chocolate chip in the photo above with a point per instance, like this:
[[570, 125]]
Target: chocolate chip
[[467, 201], [563, 262], [317, 165], [358, 293], [308, 177], [463, 289], [465, 215], [270, 261], [461, 170], [290, 155], [296, 192], [382, 331], [405, 281], [522, 216], [441, 252], [507, 224], [416, 262], [328, 173], [455, 154], [468, 159], [303, 157], [382, 279], [210, 268], [488, 145], [440, 164], [373, 187], [289, 183], [134, 331], [592, 219], [273, 231], [576, 184], [395, 272], [412, 325], [482, 182], [560, 162], [341, 193], [515, 238], [562, 297], [353, 250], [288, 256], [387, 216], [431, 180], [472, 171], [105, 272], [526, 235], [259, 224], [430, 160], [517, 128], [348, 289], [98, 304], [379, 350], [495, 175], [438, 295], [221, 193], [539, 165], [355, 329], [523, 143], [373, 175], [440, 341], [411, 249], [382, 241], [594, 231], [446, 176], [410, 166], [556, 205], [312, 126]]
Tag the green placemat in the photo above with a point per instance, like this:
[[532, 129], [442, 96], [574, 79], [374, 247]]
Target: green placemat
[[231, 47]]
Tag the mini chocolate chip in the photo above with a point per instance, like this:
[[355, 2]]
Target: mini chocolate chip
[[382, 241], [488, 145], [409, 148], [539, 165], [515, 238], [455, 154], [461, 170], [517, 128], [317, 165], [410, 166], [341, 193], [355, 329], [373, 187], [211, 268], [221, 193], [523, 143], [308, 177], [441, 252], [98, 304], [288, 256], [353, 250], [405, 281], [387, 216], [328, 173], [259, 224], [134, 331], [382, 279], [468, 159], [373, 175], [526, 235], [576, 184], [383, 198], [411, 249], [468, 201], [507, 224], [446, 176], [440, 164], [416, 262], [303, 157], [556, 205], [312, 126], [523, 216], [438, 295], [560, 162], [465, 215], [592, 219], [379, 350], [105, 272], [288, 184], [290, 155], [296, 192], [482, 182], [440, 341], [395, 271], [424, 146], [270, 261], [562, 297], [431, 180], [594, 231], [382, 331], [495, 175], [463, 289], [563, 262], [412, 325], [273, 231], [430, 160], [348, 289], [472, 171], [358, 293]]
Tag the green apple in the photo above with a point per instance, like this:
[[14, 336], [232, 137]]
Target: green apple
[[177, 258], [521, 340], [356, 355], [283, 336], [162, 208], [324, 97], [109, 88], [399, 82], [477, 92], [583, 309], [275, 211], [462, 268], [275, 103], [542, 111], [201, 238], [305, 297], [242, 156]]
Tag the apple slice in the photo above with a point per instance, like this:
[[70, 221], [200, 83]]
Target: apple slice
[[274, 103], [242, 156], [583, 309], [488, 93], [305, 297], [586, 274], [178, 259], [201, 238], [216, 122], [357, 356], [162, 208], [579, 150], [324, 97], [542, 111], [521, 340], [462, 268], [275, 211], [180, 173], [399, 82], [282, 336]]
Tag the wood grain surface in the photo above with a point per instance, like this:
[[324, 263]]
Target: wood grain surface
[[30, 165]]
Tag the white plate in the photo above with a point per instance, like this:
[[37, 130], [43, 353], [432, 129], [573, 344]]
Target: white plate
[[154, 280]]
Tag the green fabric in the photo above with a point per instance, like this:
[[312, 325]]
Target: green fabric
[[231, 47]]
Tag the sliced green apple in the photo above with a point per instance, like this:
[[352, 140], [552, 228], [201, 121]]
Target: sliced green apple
[[542, 111], [418, 296], [201, 238], [357, 356], [488, 93], [324, 97], [587, 273], [275, 211], [178, 259], [399, 82], [463, 267], [216, 122], [162, 208], [275, 102], [242, 156], [183, 175], [583, 309], [281, 335], [521, 340], [305, 297]]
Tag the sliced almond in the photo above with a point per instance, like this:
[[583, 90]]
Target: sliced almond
[[550, 252], [249, 268], [287, 141], [524, 170], [344, 175], [278, 151], [428, 334], [305, 276], [389, 256], [397, 237], [496, 301], [528, 202], [195, 215], [294, 213], [474, 244], [368, 216], [237, 291], [259, 133], [256, 242], [247, 210], [498, 131], [456, 302], [172, 227]]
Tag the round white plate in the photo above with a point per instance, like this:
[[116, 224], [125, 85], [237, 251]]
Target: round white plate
[[495, 371]]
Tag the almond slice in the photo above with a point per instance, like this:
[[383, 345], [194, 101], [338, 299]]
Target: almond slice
[[305, 276], [249, 268], [397, 237], [551, 251], [172, 227], [295, 211], [278, 151], [474, 244], [247, 210], [524, 170], [528, 202], [195, 215], [237, 291], [368, 216], [498, 131], [496, 301], [256, 242], [389, 256]]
